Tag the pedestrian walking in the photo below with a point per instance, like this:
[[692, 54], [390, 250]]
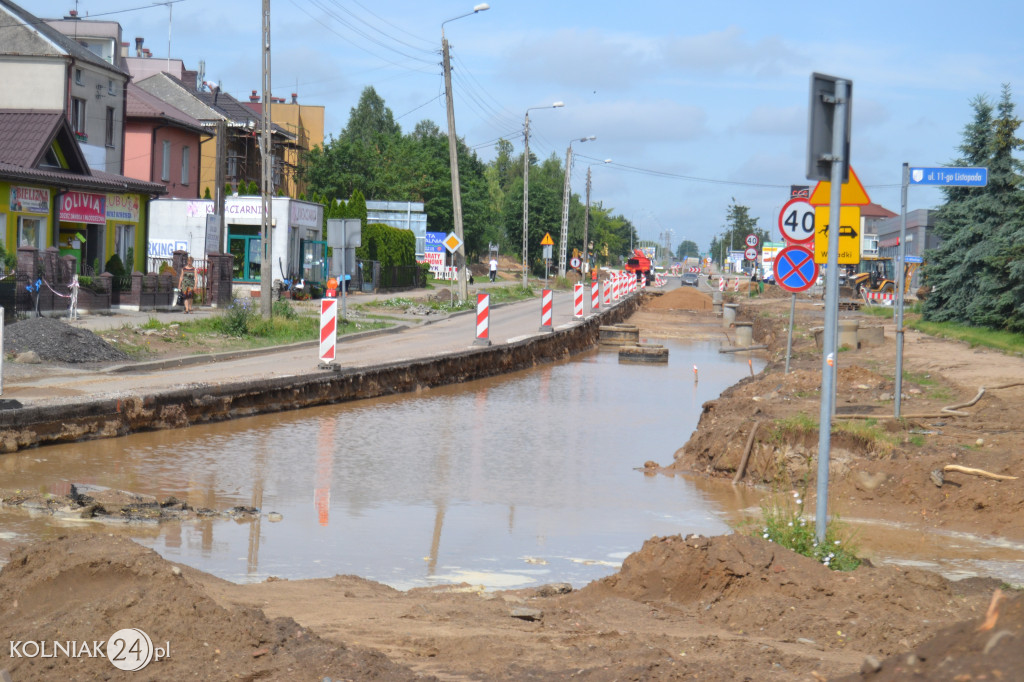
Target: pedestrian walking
[[187, 284], [494, 269]]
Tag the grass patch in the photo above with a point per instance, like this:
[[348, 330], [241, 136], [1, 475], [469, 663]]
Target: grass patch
[[883, 311], [1007, 342], [783, 522], [919, 378], [509, 294]]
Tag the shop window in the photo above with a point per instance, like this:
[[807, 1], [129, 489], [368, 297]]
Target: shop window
[[110, 127], [78, 116], [165, 166], [124, 241], [184, 164], [30, 232]]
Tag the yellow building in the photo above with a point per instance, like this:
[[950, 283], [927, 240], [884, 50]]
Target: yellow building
[[306, 123]]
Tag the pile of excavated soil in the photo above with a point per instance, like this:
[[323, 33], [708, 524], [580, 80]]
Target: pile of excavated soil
[[86, 588], [55, 341], [683, 298]]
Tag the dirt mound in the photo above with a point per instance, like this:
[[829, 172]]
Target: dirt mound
[[84, 589], [752, 584], [683, 298], [972, 650], [55, 341]]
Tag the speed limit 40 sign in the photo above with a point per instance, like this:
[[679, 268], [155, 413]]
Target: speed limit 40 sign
[[796, 222]]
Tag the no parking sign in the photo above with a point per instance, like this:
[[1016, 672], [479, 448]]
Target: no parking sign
[[795, 269]]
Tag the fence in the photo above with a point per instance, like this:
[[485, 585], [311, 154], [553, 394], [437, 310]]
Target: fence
[[202, 279]]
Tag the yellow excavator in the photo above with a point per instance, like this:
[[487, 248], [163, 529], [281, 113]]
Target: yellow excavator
[[877, 276]]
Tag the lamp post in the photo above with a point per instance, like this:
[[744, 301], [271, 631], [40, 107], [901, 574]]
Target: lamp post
[[566, 192], [460, 254], [586, 213], [526, 187]]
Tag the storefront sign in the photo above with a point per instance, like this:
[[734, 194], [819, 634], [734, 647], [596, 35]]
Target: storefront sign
[[165, 248], [198, 209], [305, 215], [30, 200], [123, 207], [82, 207]]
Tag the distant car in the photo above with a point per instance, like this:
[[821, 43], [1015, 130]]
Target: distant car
[[690, 279]]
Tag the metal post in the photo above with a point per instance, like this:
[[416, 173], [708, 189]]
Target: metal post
[[586, 226], [344, 268], [789, 339], [564, 237], [220, 179], [526, 197], [267, 163], [828, 375], [898, 271], [453, 156]]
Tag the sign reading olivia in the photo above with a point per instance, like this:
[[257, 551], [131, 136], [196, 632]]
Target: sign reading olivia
[[123, 207], [82, 207], [30, 200]]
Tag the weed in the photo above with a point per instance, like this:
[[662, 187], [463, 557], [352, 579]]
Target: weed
[[919, 378], [878, 311], [917, 440], [784, 524], [284, 310], [153, 323], [974, 336]]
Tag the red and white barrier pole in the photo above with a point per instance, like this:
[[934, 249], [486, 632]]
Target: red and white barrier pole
[[721, 283], [595, 296], [483, 320], [577, 300], [328, 330], [606, 292], [736, 285], [545, 311], [616, 286]]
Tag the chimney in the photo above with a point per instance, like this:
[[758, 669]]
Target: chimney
[[124, 50], [254, 97], [138, 46], [295, 98], [73, 15], [146, 53]]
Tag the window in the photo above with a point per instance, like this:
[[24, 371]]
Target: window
[[184, 165], [3, 232], [78, 116], [110, 87], [165, 167], [78, 76], [124, 241], [110, 126], [30, 232]]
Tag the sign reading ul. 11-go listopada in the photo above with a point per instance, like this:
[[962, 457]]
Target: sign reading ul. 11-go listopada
[[960, 177]]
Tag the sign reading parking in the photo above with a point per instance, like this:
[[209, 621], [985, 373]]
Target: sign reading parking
[[796, 222], [795, 269], [960, 177]]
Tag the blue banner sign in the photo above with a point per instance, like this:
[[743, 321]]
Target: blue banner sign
[[960, 177], [435, 242], [913, 259]]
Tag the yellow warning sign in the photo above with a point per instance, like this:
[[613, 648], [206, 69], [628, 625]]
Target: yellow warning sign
[[547, 241], [851, 193], [849, 234]]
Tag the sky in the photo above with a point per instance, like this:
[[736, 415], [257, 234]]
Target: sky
[[698, 104]]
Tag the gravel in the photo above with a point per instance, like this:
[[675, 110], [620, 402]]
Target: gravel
[[56, 341]]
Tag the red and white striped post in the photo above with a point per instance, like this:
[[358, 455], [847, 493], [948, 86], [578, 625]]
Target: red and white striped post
[[606, 291], [577, 300], [545, 311], [595, 296], [483, 320], [721, 283], [736, 285], [328, 331]]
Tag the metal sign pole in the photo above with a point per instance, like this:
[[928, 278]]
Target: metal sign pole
[[828, 372], [789, 339], [344, 269], [901, 256]]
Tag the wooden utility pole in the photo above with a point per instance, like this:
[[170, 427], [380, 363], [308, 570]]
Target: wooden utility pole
[[453, 156], [267, 160]]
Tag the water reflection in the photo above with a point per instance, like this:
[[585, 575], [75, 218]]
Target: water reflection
[[518, 479]]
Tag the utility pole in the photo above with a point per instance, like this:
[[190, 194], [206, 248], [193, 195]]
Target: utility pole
[[453, 156], [267, 162], [220, 179], [586, 225], [566, 196], [526, 198]]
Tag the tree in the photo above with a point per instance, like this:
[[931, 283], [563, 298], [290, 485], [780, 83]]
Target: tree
[[370, 119], [686, 249], [977, 272], [739, 224]]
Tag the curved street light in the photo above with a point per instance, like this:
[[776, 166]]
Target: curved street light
[[526, 186], [566, 193], [586, 214], [453, 157]]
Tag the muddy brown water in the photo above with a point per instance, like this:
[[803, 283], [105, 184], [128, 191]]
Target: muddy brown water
[[530, 478]]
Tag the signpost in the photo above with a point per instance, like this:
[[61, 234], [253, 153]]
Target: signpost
[[452, 244], [795, 270], [796, 221], [957, 177], [546, 244], [852, 196]]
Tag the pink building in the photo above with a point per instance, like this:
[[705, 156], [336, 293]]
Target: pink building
[[162, 144]]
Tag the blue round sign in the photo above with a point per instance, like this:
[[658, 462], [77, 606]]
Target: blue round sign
[[795, 269]]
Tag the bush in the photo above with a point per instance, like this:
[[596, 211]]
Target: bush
[[240, 319], [115, 267], [389, 245], [785, 525], [284, 310]]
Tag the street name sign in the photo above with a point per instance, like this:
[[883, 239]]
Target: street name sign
[[795, 269], [849, 235], [959, 177], [796, 222]]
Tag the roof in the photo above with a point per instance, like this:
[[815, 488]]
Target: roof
[[172, 91], [26, 136], [23, 33], [144, 105], [876, 211]]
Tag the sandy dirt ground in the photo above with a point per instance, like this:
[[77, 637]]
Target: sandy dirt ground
[[724, 608]]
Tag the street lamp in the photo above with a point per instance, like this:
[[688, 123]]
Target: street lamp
[[586, 214], [460, 254], [565, 205], [526, 186]]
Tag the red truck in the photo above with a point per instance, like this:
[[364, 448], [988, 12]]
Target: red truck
[[640, 266]]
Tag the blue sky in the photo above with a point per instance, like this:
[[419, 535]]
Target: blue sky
[[712, 91]]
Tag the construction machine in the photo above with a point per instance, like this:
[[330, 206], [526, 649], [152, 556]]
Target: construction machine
[[877, 275]]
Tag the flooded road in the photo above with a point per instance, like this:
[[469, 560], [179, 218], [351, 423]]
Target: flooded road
[[525, 479]]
